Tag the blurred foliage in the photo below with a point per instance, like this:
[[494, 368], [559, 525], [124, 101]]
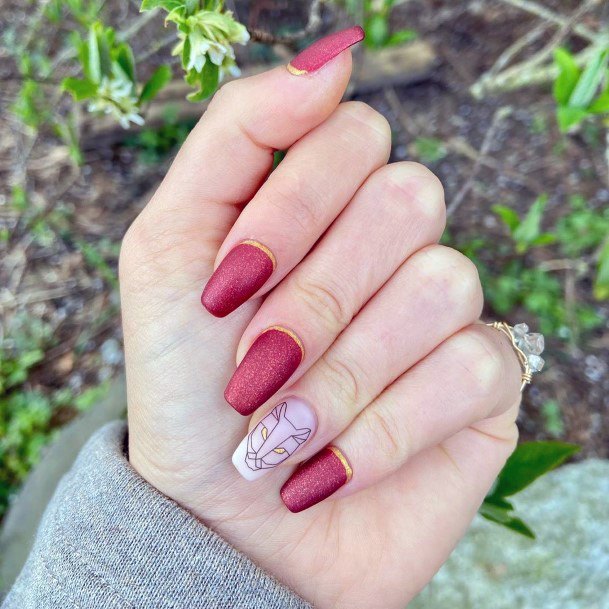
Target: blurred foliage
[[26, 413], [375, 18], [430, 149], [109, 82], [511, 279], [580, 93], [155, 143]]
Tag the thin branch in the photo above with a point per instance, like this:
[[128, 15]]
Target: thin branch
[[545, 13], [500, 115], [313, 25], [535, 70]]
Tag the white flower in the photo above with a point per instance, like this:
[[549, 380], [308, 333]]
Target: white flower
[[116, 97], [210, 35]]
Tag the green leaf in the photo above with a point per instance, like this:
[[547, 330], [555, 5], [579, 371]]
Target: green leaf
[[430, 149], [529, 461], [529, 229], [168, 5], [160, 77], [207, 81], [601, 104], [401, 37], [589, 81], [544, 239], [567, 78], [124, 58], [93, 68], [569, 117], [377, 31], [509, 217], [601, 281], [79, 88], [504, 518], [105, 41]]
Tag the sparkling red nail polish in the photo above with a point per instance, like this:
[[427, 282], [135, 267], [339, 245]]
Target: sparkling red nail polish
[[324, 49], [244, 270], [316, 479], [269, 363]]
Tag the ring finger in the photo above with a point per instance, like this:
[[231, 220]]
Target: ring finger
[[480, 380], [435, 293]]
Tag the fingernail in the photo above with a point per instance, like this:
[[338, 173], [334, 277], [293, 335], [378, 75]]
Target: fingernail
[[240, 275], [316, 479], [269, 363], [324, 49], [278, 436]]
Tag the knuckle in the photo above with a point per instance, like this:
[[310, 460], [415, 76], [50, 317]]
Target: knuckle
[[419, 190], [296, 199], [371, 126], [225, 95], [343, 380], [483, 364], [326, 301], [454, 276], [387, 434]]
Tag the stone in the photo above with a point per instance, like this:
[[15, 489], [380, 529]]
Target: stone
[[566, 567]]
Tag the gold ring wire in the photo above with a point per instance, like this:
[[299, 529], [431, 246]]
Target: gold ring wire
[[527, 374]]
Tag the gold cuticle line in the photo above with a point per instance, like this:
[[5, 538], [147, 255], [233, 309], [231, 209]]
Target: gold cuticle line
[[292, 335], [262, 248], [295, 71], [344, 461]]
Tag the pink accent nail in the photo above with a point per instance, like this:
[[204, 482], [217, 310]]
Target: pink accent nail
[[324, 49], [276, 437]]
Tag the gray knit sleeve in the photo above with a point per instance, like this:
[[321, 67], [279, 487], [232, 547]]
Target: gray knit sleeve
[[110, 540]]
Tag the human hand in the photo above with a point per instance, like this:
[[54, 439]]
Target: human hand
[[383, 356]]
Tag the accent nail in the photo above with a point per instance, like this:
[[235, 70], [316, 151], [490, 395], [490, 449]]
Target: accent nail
[[269, 363], [324, 49], [244, 270], [278, 436], [316, 479]]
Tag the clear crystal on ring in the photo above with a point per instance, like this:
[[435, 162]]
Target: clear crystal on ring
[[531, 344]]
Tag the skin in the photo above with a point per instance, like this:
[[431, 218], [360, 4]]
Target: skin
[[420, 396]]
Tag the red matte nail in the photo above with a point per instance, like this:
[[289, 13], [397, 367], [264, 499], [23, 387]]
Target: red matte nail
[[240, 275], [316, 479], [269, 363], [324, 49]]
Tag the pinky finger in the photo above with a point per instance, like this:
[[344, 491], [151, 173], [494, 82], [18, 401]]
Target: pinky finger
[[470, 380]]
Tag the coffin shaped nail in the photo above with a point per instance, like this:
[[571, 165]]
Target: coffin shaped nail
[[268, 364], [276, 438], [324, 49], [244, 270], [316, 479]]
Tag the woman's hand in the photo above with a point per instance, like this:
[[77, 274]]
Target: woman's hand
[[377, 350]]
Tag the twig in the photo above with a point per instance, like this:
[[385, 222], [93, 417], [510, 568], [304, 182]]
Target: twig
[[559, 36], [396, 107], [516, 48], [313, 24], [500, 115], [531, 71], [545, 13]]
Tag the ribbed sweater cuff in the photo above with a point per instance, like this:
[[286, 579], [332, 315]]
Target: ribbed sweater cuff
[[110, 540]]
